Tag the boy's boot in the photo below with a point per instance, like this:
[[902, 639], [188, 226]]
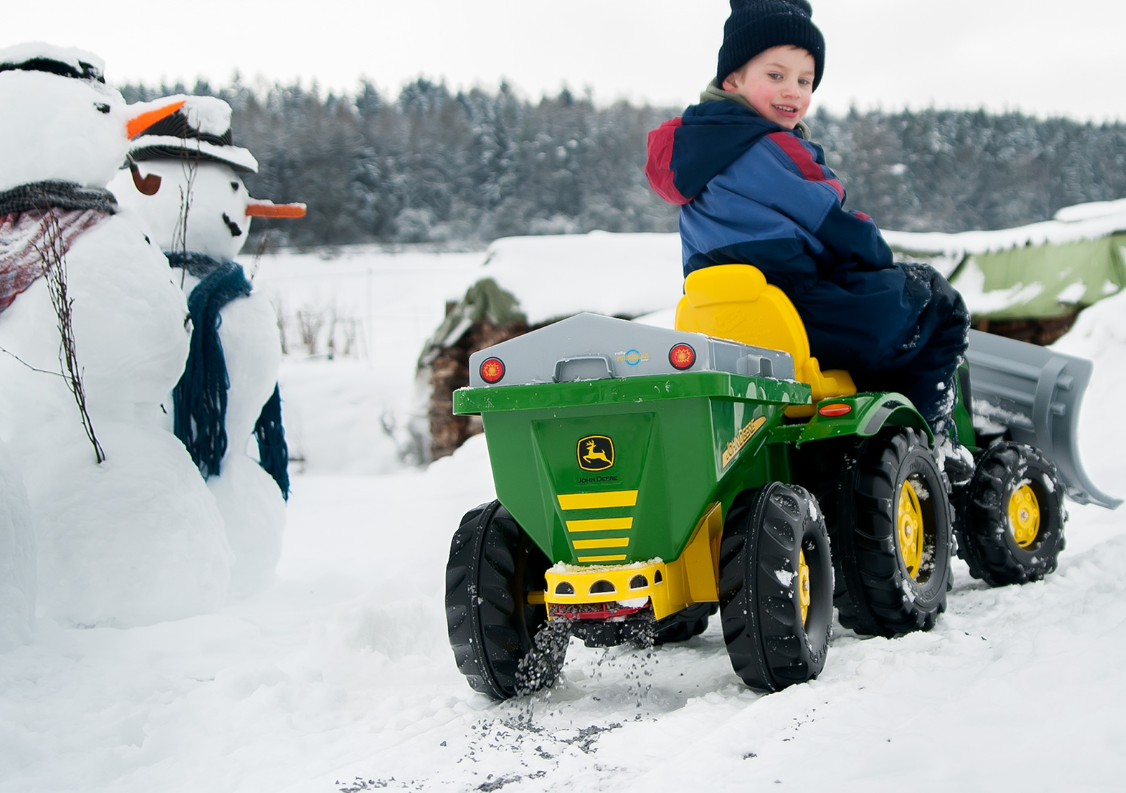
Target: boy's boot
[[953, 458]]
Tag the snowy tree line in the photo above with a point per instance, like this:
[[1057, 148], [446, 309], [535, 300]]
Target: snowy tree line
[[431, 165]]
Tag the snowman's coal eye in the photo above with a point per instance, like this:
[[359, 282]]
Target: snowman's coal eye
[[101, 107]]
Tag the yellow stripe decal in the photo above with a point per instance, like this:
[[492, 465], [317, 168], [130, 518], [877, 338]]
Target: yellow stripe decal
[[585, 559], [603, 524], [616, 542], [616, 498]]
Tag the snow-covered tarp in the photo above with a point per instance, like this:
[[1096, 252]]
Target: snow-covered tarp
[[1037, 271], [621, 275], [553, 277], [1041, 270]]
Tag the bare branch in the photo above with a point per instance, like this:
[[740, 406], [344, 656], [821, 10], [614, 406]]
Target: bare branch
[[263, 246], [29, 366], [310, 322], [187, 193], [53, 256]]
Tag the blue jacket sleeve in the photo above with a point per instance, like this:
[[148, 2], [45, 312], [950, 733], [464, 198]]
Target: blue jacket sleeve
[[855, 240], [810, 193]]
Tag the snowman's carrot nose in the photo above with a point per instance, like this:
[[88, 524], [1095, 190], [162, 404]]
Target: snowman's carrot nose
[[142, 121], [268, 209]]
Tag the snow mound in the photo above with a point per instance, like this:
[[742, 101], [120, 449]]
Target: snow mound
[[624, 275], [17, 556], [1099, 334], [352, 436]]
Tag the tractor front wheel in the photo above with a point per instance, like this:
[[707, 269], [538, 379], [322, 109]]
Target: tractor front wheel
[[685, 624], [493, 623], [776, 587], [1012, 522]]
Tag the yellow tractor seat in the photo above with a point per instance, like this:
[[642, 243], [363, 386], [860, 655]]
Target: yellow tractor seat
[[734, 301]]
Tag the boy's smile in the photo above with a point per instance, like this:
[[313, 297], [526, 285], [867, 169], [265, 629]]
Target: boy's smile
[[778, 84]]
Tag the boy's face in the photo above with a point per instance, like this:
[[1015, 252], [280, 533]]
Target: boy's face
[[778, 83]]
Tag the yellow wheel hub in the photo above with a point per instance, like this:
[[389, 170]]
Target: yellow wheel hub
[[910, 520], [1024, 514], [803, 586]]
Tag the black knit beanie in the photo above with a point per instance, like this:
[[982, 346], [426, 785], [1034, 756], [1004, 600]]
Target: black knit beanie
[[757, 25]]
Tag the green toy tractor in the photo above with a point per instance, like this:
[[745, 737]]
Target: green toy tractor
[[648, 477]]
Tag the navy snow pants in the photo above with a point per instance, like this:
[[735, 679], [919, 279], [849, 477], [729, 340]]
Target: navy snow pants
[[925, 366]]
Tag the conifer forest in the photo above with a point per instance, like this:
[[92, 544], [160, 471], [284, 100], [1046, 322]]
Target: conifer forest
[[436, 166]]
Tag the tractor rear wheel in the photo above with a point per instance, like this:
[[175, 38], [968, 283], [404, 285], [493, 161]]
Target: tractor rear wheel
[[1013, 516], [493, 625], [898, 550], [776, 587]]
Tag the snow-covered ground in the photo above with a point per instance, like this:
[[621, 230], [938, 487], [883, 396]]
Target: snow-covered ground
[[378, 309], [340, 677]]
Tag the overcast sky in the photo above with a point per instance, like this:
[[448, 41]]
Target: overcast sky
[[1047, 58]]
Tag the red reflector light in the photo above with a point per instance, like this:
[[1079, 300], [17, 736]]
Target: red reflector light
[[492, 370], [834, 410], [682, 356]]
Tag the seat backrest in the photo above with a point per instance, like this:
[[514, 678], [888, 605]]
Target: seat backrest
[[734, 301]]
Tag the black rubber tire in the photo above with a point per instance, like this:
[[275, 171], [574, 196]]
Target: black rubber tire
[[685, 624], [830, 470], [493, 565], [985, 536], [764, 535], [894, 600]]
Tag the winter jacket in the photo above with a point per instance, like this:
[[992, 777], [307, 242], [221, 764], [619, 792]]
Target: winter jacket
[[754, 192]]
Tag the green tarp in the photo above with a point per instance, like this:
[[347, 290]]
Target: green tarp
[[484, 300], [1042, 281]]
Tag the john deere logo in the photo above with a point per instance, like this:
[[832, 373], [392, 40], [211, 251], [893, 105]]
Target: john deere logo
[[596, 453]]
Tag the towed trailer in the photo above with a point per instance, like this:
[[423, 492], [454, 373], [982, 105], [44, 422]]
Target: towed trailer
[[647, 478]]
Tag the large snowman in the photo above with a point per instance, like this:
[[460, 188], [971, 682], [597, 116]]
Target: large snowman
[[137, 538], [185, 183]]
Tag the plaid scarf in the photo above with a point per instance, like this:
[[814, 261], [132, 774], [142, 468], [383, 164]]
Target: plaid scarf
[[23, 235], [30, 217]]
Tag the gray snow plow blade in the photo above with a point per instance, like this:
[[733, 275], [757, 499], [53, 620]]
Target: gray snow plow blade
[[1035, 393]]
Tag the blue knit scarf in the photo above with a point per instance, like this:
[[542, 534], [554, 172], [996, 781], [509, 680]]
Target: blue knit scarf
[[200, 398]]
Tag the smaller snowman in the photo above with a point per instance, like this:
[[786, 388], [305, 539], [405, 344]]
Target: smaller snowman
[[184, 182]]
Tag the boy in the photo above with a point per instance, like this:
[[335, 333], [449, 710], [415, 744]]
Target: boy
[[754, 190]]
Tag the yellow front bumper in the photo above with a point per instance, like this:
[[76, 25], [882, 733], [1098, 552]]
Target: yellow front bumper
[[669, 586]]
